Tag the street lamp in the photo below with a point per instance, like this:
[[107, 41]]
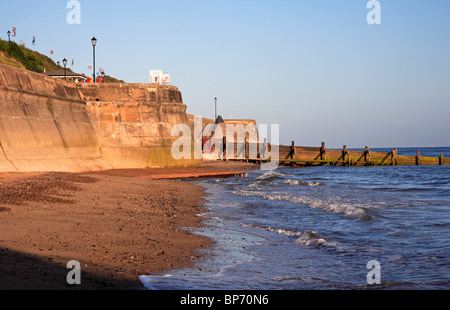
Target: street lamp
[[9, 40], [215, 100], [65, 64], [94, 43]]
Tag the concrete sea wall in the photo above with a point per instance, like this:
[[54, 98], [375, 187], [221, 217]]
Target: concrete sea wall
[[44, 125], [52, 125], [133, 122]]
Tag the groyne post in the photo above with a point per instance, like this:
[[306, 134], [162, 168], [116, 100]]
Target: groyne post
[[293, 150], [418, 158], [394, 157], [323, 152], [367, 155], [225, 149], [345, 154], [246, 149], [441, 159]]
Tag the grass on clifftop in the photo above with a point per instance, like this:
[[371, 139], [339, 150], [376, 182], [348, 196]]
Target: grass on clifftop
[[24, 58]]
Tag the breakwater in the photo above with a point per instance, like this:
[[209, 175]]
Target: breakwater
[[292, 155], [310, 156]]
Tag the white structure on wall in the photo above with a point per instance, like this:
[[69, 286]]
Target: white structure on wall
[[159, 77]]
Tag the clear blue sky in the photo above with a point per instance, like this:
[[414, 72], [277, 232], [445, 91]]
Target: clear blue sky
[[316, 67]]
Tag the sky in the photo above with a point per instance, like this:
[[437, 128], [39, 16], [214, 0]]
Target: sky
[[316, 68]]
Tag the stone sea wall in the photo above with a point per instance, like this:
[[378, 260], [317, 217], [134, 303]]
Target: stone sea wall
[[133, 122], [53, 125], [44, 125]]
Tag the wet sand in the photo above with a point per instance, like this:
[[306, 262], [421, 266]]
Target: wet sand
[[118, 224]]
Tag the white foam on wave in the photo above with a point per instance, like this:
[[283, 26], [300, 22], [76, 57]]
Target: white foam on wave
[[270, 175], [294, 182], [311, 238], [300, 182], [345, 208], [275, 230], [306, 238], [255, 184], [194, 279]]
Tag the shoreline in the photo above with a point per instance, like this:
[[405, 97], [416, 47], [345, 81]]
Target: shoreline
[[119, 224]]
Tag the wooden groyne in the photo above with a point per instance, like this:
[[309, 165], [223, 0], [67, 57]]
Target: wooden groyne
[[310, 156], [293, 155]]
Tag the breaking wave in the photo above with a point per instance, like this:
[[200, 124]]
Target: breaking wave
[[306, 238], [300, 182], [347, 209], [271, 175]]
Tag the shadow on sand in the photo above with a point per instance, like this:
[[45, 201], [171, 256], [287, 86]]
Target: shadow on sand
[[19, 271]]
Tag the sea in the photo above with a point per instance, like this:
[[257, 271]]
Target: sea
[[324, 228]]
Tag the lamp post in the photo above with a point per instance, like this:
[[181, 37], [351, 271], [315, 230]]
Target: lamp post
[[65, 64], [215, 100], [9, 40], [94, 43]]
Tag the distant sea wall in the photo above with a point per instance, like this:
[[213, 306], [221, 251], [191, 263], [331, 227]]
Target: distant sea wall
[[53, 125]]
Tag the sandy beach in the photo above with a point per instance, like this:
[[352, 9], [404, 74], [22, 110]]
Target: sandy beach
[[118, 224]]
